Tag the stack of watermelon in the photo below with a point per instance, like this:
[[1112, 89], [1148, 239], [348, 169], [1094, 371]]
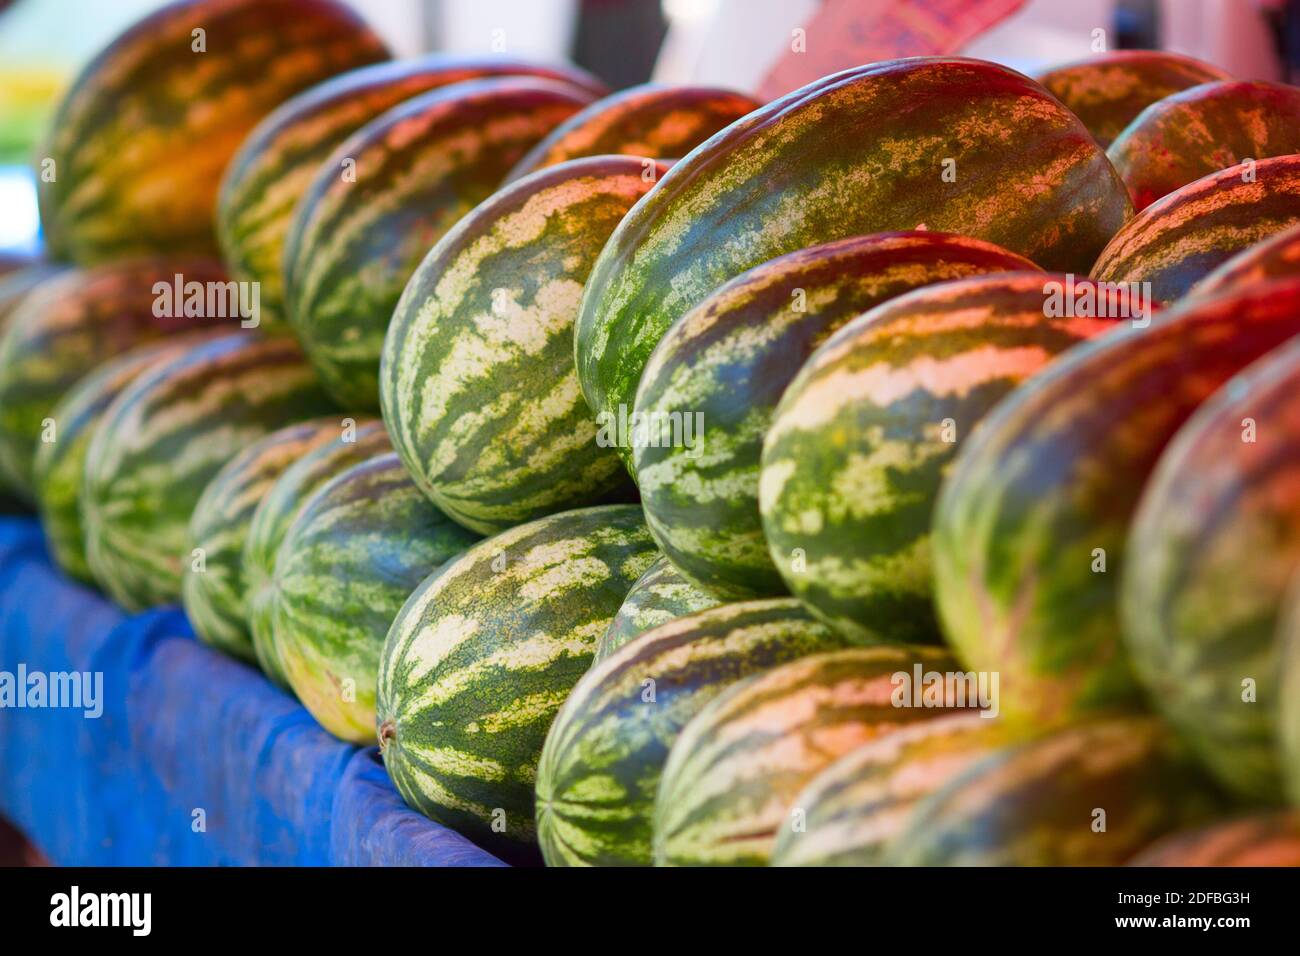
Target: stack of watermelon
[[898, 472]]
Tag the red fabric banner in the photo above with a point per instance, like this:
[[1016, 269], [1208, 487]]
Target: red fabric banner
[[848, 33]]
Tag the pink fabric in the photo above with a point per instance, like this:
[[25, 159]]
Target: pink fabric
[[848, 33]]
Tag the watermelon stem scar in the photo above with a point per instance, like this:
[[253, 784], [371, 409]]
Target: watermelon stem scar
[[387, 732]]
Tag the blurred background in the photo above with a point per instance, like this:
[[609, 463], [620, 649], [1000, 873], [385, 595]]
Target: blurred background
[[735, 43]]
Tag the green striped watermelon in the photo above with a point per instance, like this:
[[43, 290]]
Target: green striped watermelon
[[1177, 241], [1277, 257], [1090, 795], [484, 653], [385, 196], [163, 439], [906, 144], [277, 162], [275, 513], [725, 364], [1108, 91], [139, 143], [214, 589], [1264, 839], [1199, 131], [605, 751], [14, 286], [59, 466], [868, 429], [477, 381], [849, 813], [1029, 531], [1213, 546], [359, 546], [657, 597], [663, 122], [69, 324], [738, 765]]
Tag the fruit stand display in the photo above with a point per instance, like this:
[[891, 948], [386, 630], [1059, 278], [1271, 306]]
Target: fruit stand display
[[452, 462]]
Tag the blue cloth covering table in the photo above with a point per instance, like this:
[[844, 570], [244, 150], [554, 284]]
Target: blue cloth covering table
[[196, 759]]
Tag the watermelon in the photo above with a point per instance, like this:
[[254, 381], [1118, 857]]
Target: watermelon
[[1288, 637], [657, 597], [1277, 257], [1089, 795], [354, 552], [14, 286], [1199, 131], [477, 381], [864, 435], [738, 765], [385, 196], [1108, 91], [163, 439], [213, 590], [70, 323], [277, 162], [1029, 532], [482, 656], [605, 751], [1177, 241], [946, 144], [58, 467], [1214, 544], [849, 813], [358, 442], [139, 143], [725, 364], [1264, 839], [649, 120]]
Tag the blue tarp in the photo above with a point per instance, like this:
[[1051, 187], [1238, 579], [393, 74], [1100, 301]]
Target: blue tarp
[[196, 759]]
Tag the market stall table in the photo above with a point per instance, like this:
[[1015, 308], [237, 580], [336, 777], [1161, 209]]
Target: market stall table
[[192, 759]]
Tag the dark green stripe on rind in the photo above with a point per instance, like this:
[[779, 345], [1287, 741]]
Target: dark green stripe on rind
[[161, 442], [600, 768], [1091, 795], [1177, 241], [1202, 130], [724, 366], [862, 151], [482, 656], [70, 323], [1213, 547], [477, 382], [1108, 91], [657, 597], [663, 122], [1029, 532], [852, 810], [1277, 257], [214, 589], [357, 549], [279, 159], [864, 436], [280, 505], [59, 466], [740, 762], [387, 194], [140, 141]]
